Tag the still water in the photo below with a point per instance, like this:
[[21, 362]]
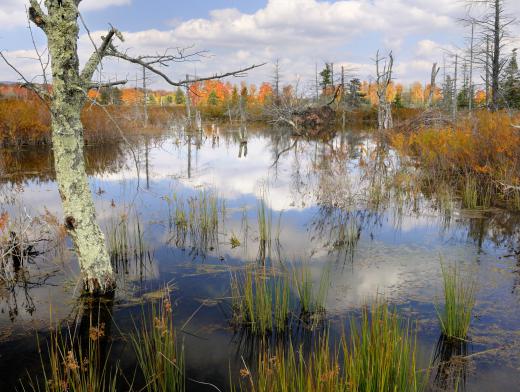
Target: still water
[[329, 204]]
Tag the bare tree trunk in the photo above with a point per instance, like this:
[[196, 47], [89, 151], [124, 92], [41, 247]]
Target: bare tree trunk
[[188, 103], [145, 99], [68, 98], [487, 71], [454, 108], [495, 70], [317, 84], [470, 104], [433, 77], [384, 78]]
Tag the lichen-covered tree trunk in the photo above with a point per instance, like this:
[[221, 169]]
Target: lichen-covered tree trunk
[[76, 197], [68, 97]]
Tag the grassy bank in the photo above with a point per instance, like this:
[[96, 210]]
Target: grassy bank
[[28, 122], [478, 155]]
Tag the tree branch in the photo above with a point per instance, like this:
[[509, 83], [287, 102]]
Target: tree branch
[[98, 85], [36, 15], [99, 53], [149, 61], [42, 94]]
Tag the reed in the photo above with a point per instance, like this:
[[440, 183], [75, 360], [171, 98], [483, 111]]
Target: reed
[[125, 240], [290, 369], [72, 367], [380, 354], [264, 217], [196, 220], [312, 301], [260, 302], [459, 300], [470, 193], [159, 357]]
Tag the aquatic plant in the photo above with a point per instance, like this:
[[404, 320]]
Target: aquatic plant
[[234, 241], [252, 300], [194, 221], [380, 353], [264, 216], [70, 366], [126, 241], [158, 354], [459, 300], [290, 369], [261, 300], [312, 302]]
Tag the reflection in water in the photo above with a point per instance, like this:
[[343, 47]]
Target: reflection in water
[[343, 201], [452, 366], [36, 163]]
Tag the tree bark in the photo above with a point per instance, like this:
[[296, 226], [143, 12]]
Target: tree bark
[[67, 100]]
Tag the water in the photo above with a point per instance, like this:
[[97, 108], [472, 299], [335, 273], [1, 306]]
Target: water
[[330, 204]]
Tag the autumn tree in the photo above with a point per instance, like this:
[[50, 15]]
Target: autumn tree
[[493, 23]]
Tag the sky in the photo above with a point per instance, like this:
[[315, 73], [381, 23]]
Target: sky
[[236, 34]]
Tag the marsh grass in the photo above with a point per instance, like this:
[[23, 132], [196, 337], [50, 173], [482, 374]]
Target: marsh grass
[[459, 300], [252, 300], [158, 354], [312, 301], [379, 354], [195, 221], [71, 366], [263, 301], [289, 368], [125, 241]]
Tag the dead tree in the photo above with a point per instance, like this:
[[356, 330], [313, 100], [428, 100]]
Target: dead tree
[[383, 79], [433, 78], [70, 86], [493, 26]]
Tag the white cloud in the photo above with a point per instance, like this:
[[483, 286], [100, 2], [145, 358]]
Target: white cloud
[[300, 33], [95, 5], [13, 14]]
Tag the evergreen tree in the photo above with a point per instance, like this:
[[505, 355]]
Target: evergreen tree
[[213, 98], [398, 100], [326, 77], [180, 97], [234, 96], [511, 83], [447, 93], [111, 96], [354, 96]]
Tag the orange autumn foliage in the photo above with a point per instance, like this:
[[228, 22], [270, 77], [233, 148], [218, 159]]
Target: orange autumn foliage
[[4, 219], [485, 146], [25, 122]]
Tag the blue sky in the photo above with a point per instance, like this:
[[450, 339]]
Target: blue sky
[[300, 33]]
